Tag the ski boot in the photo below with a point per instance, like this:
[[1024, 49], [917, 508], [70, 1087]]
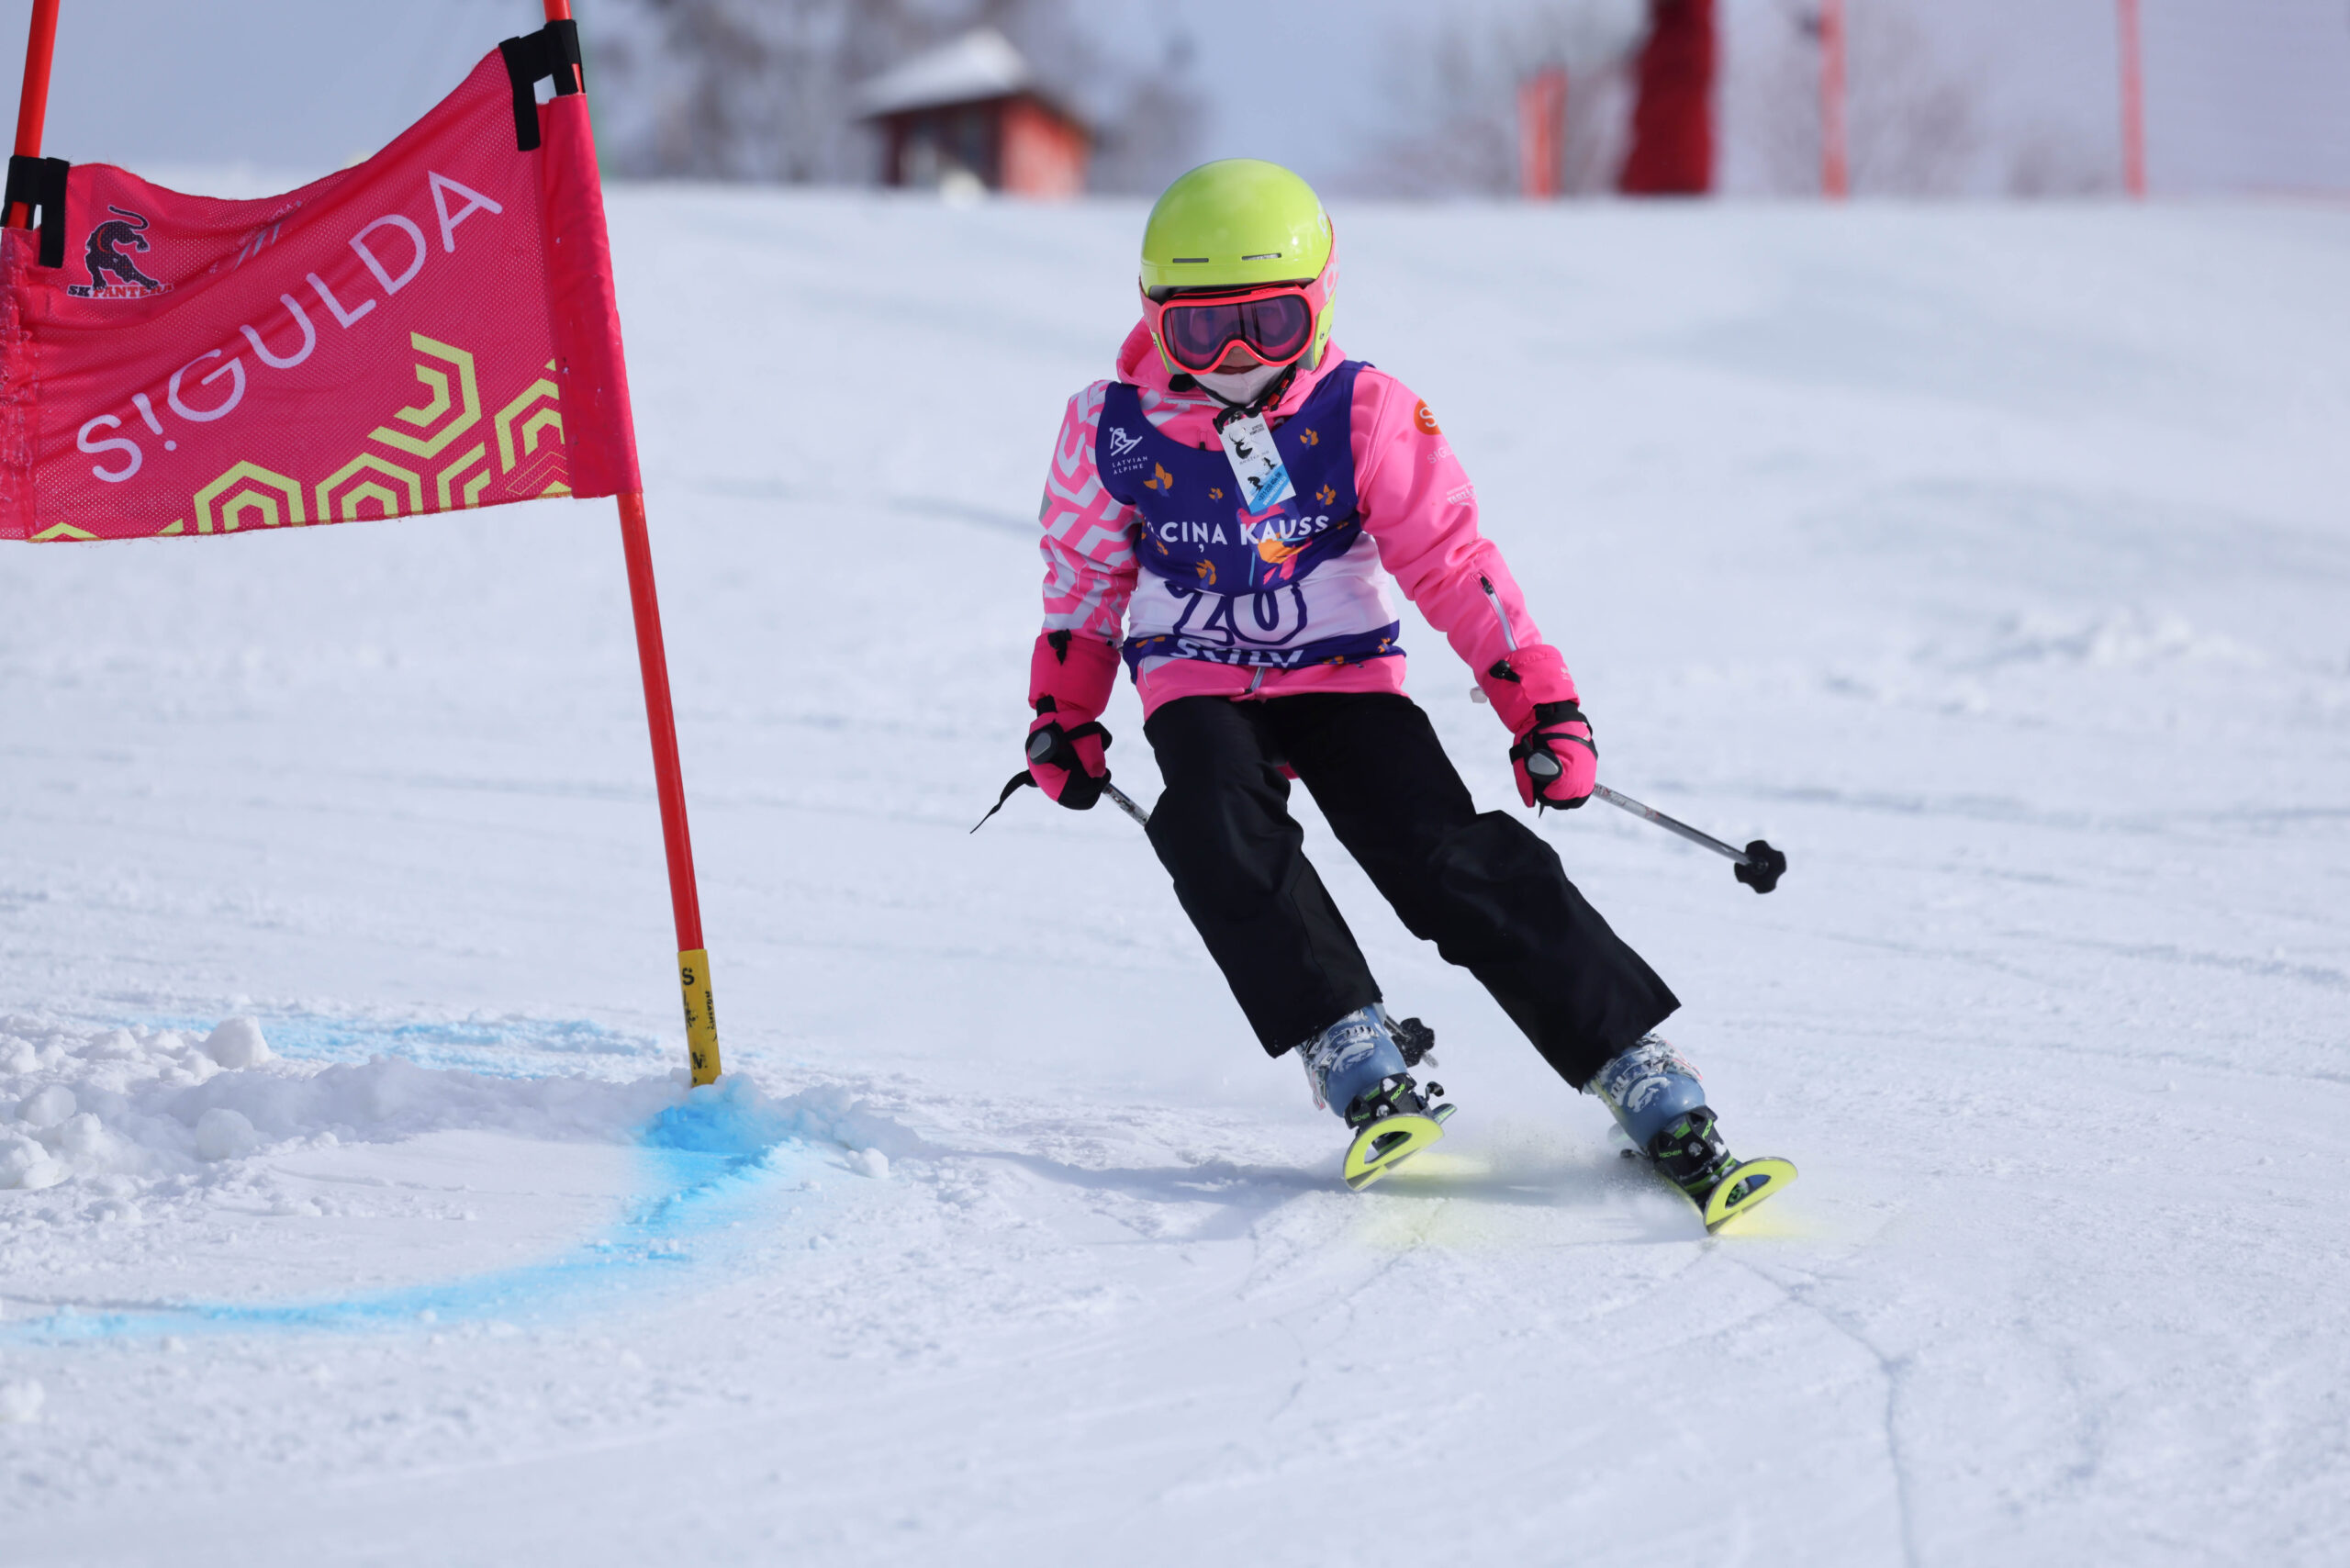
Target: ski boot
[[1361, 1063], [1655, 1097]]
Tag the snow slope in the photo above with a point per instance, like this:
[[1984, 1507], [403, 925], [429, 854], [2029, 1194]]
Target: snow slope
[[1993, 563]]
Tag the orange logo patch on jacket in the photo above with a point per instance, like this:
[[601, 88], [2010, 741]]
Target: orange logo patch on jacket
[[1159, 480], [1425, 420]]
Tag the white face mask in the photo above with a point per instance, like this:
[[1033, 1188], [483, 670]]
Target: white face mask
[[1239, 387]]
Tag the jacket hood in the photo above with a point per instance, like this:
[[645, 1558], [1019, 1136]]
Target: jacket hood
[[1138, 363]]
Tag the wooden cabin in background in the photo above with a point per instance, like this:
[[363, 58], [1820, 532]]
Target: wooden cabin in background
[[969, 116]]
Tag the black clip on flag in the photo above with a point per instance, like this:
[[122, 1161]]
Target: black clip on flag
[[552, 51], [40, 182]]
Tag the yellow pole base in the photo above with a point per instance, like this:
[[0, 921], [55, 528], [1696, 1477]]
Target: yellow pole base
[[701, 1015]]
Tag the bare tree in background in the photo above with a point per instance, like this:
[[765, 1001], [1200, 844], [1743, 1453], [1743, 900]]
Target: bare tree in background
[[1912, 123], [2047, 162], [1450, 128], [1450, 115], [1450, 120], [766, 89], [1147, 136], [741, 89]]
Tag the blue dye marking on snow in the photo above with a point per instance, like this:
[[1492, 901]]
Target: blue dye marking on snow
[[710, 1157]]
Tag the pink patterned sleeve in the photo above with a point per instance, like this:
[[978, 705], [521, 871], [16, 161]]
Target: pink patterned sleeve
[[1087, 540], [1418, 504]]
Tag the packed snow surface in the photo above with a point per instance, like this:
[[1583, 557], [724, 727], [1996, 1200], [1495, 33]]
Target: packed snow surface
[[1993, 563]]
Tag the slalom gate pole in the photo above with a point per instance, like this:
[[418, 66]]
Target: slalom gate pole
[[32, 109], [693, 959], [660, 717]]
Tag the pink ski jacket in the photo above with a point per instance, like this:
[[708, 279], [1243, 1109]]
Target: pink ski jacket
[[1415, 502]]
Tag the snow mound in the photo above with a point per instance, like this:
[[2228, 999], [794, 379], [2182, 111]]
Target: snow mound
[[734, 1117], [20, 1400], [2130, 638], [236, 1043], [151, 1103]]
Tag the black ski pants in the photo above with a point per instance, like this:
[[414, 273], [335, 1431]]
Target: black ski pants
[[1485, 888]]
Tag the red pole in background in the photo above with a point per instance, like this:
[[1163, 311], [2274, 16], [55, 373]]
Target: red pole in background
[[2133, 105], [660, 717], [1673, 116], [32, 109], [1835, 168], [1541, 132]]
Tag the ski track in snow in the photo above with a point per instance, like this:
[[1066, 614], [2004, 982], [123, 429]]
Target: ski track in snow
[[1991, 562]]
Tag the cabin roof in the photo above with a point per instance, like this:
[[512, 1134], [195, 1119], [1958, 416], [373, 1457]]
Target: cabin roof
[[980, 64]]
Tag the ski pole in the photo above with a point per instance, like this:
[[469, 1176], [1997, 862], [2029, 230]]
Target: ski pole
[[1024, 779], [1759, 866], [1126, 803]]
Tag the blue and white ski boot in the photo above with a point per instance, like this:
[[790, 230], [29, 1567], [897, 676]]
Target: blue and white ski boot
[[1655, 1096], [1359, 1066]]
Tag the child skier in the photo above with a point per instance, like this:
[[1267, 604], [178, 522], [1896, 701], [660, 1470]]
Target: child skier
[[1229, 515]]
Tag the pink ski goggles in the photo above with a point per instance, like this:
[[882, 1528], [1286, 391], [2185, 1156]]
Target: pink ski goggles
[[1275, 322]]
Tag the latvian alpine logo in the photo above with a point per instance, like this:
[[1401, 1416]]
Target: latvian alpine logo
[[113, 275]]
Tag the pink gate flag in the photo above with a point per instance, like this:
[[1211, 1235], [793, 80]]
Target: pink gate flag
[[431, 330]]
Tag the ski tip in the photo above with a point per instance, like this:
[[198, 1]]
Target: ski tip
[[1385, 1143], [1747, 1185]]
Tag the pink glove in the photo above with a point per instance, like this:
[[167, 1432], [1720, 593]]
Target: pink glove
[[1069, 679], [1522, 678], [1555, 760]]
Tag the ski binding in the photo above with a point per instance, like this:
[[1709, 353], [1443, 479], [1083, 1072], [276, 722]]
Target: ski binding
[[1391, 1124], [1691, 1155]]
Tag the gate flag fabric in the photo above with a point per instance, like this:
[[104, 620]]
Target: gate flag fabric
[[429, 330]]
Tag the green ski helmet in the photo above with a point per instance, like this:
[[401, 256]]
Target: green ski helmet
[[1241, 223]]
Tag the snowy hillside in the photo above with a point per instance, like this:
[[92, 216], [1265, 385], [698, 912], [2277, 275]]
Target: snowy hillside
[[1995, 563]]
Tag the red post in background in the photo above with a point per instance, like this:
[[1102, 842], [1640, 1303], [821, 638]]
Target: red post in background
[[32, 109], [1542, 135], [1835, 167], [1672, 118], [2133, 105], [660, 715]]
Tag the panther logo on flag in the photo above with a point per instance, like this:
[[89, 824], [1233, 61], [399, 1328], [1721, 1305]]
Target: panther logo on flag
[[105, 258]]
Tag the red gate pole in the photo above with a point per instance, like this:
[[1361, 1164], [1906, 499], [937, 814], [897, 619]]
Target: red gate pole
[[1835, 167], [653, 661], [2133, 105], [32, 109]]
